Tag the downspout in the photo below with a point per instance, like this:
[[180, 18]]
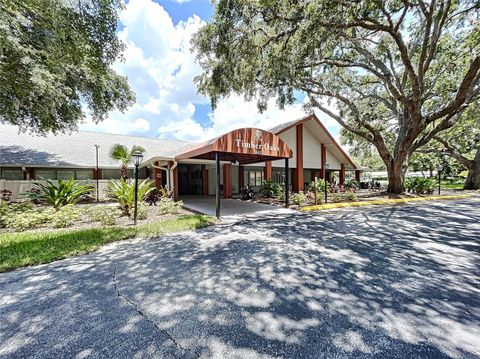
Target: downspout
[[175, 163], [166, 173]]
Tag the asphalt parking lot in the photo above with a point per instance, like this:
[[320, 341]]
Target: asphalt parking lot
[[385, 282]]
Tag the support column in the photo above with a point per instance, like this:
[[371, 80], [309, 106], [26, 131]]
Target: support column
[[286, 183], [357, 175], [298, 181], [157, 175], [323, 155], [267, 171], [341, 177], [241, 176], [217, 185], [227, 180], [204, 180]]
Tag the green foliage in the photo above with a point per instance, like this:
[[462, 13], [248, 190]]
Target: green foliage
[[123, 155], [23, 249], [20, 207], [169, 206], [3, 212], [420, 185], [396, 72], [270, 188], [124, 191], [56, 59], [346, 196], [142, 212], [60, 194], [351, 184], [298, 198], [30, 219], [65, 217], [320, 186], [106, 215]]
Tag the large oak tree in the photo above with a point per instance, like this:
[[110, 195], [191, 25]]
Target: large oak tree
[[55, 63], [396, 72]]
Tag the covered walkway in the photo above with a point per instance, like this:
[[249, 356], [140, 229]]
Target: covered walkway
[[242, 146], [230, 207]]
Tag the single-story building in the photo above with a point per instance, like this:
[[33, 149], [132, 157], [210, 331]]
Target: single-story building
[[303, 148]]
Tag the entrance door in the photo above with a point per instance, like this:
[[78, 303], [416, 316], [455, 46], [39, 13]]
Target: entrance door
[[189, 180]]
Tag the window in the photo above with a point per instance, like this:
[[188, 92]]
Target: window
[[255, 178], [65, 174], [84, 174], [45, 174], [111, 173], [12, 174]]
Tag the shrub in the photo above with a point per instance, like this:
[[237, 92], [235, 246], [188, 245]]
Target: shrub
[[346, 196], [60, 194], [270, 188], [21, 221], [20, 207], [142, 212], [5, 195], [320, 186], [311, 197], [124, 191], [419, 185], [3, 212], [298, 198], [351, 185], [65, 217], [166, 205], [106, 215]]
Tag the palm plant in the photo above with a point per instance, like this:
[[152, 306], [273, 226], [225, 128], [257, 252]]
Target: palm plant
[[59, 194], [124, 192], [123, 155]]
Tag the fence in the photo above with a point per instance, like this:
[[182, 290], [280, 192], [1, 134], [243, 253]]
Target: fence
[[17, 187]]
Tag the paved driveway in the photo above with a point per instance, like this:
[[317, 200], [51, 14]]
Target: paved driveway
[[397, 282]]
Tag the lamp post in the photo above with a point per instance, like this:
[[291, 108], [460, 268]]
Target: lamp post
[[439, 171], [96, 170], [325, 166], [137, 159], [315, 191]]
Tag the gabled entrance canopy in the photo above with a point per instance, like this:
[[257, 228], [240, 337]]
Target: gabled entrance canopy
[[245, 145]]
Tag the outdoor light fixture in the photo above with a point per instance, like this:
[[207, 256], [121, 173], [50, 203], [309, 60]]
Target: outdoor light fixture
[[137, 159], [325, 166], [439, 171]]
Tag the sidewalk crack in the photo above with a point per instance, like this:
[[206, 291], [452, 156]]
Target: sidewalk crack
[[145, 316]]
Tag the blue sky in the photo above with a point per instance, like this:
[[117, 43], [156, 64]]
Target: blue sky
[[160, 67]]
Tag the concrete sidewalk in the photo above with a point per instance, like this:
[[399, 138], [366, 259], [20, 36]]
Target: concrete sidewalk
[[230, 208]]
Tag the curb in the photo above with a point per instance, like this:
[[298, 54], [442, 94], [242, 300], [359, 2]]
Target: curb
[[382, 202]]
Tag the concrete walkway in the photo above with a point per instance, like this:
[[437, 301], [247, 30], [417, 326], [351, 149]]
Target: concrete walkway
[[230, 208]]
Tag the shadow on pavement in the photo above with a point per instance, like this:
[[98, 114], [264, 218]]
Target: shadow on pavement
[[398, 281]]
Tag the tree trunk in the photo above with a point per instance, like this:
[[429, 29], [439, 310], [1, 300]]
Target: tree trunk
[[395, 181], [473, 178], [124, 172]]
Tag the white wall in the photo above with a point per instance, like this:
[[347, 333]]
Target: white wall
[[312, 150], [290, 138], [333, 162]]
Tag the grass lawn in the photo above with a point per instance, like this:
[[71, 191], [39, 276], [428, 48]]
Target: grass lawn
[[452, 185], [29, 248]]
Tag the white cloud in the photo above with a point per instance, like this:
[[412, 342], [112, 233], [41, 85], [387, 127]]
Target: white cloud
[[161, 68], [233, 113]]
